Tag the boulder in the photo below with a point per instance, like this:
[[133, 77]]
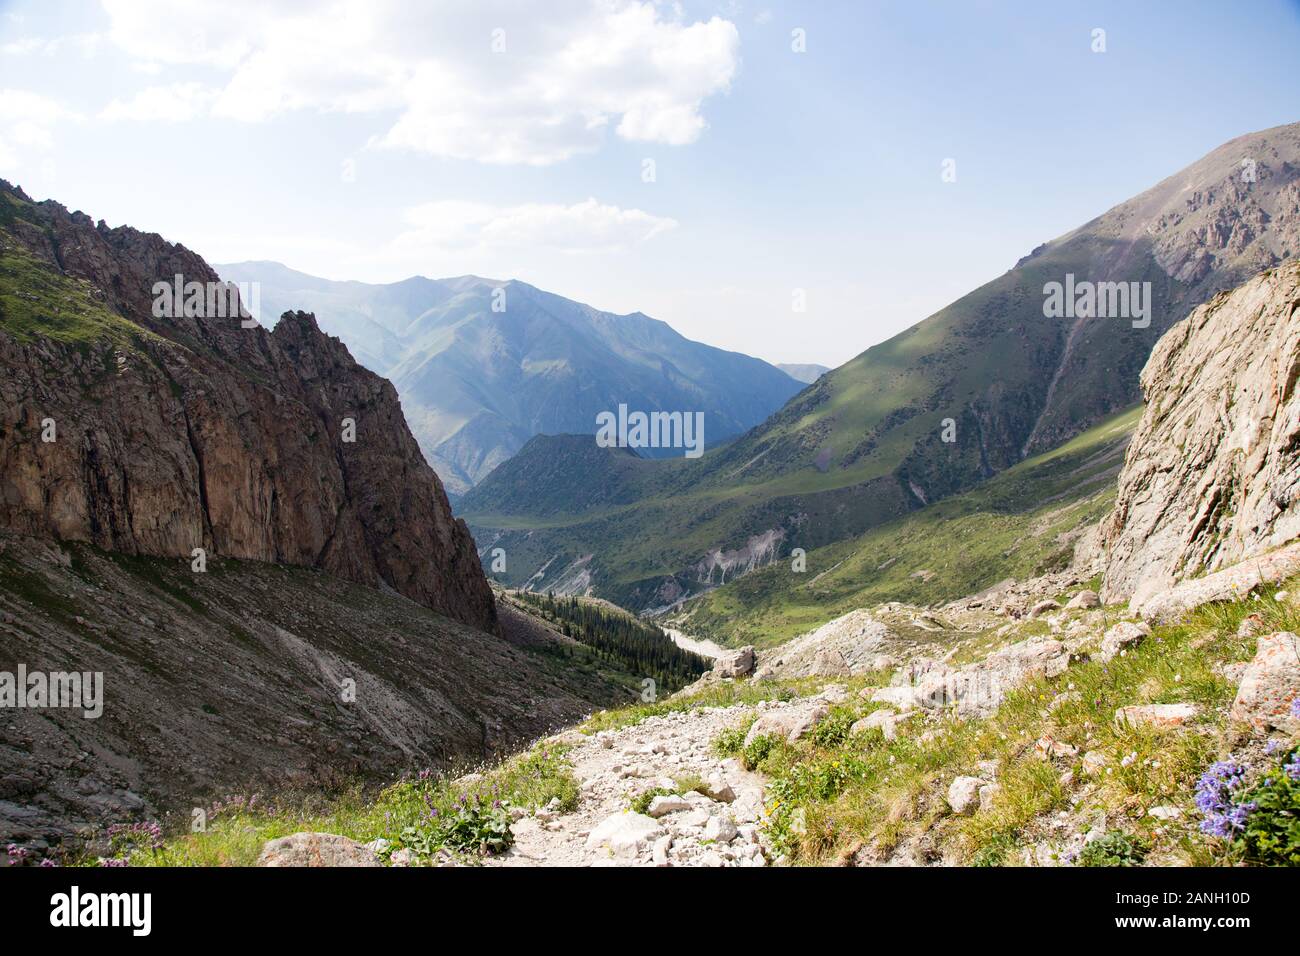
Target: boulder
[[1042, 607], [737, 663], [901, 697], [1210, 477], [1166, 605], [1160, 716], [1270, 685], [626, 834], [720, 829], [316, 849], [663, 805], [1083, 600], [964, 794], [886, 721], [1121, 637], [789, 723], [717, 788]]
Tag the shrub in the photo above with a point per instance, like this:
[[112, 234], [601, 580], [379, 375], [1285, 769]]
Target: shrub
[[641, 802]]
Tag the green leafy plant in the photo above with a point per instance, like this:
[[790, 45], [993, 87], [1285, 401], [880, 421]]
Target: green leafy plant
[[834, 730], [1114, 848], [472, 825], [1272, 830], [641, 802], [730, 742], [756, 751]]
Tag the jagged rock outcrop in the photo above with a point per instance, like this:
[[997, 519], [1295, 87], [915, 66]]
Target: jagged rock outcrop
[[177, 433], [1212, 474]]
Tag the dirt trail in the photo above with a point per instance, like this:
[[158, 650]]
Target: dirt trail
[[614, 766]]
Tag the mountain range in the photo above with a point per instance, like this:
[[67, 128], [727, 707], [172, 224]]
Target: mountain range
[[482, 365], [996, 376]]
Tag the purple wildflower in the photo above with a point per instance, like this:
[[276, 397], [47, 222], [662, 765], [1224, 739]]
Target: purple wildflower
[[1292, 768], [1215, 793], [1295, 708]]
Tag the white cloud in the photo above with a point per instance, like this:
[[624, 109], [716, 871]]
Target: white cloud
[[563, 74], [87, 44], [176, 103], [587, 226], [26, 124]]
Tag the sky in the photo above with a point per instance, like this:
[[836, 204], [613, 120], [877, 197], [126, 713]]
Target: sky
[[796, 181]]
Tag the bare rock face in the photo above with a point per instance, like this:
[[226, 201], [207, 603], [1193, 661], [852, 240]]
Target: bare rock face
[[172, 434], [1212, 474]]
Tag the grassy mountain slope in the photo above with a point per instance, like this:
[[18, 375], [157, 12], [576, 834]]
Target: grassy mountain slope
[[865, 443], [1022, 523]]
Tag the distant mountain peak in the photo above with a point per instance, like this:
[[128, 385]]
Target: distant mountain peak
[[479, 373]]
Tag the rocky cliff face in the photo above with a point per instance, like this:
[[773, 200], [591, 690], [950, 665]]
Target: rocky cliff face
[[157, 436], [1212, 475]]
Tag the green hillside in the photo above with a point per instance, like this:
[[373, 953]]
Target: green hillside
[[1018, 525], [958, 398]]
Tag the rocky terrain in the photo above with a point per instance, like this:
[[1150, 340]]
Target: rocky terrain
[[710, 817], [236, 531], [172, 434], [250, 678], [1211, 476]]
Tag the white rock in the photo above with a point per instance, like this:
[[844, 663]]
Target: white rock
[[1270, 684], [1122, 637], [1084, 599], [626, 834], [665, 804], [1161, 716], [720, 829], [963, 794]]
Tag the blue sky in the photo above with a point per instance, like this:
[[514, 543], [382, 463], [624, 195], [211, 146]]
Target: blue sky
[[373, 140]]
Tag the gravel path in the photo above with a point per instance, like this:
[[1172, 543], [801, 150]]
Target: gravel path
[[614, 766]]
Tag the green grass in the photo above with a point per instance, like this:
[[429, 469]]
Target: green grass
[[36, 300], [1011, 526], [832, 795], [234, 836], [724, 694]]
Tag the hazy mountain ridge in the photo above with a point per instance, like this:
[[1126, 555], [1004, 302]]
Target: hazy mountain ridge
[[806, 373], [482, 365]]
